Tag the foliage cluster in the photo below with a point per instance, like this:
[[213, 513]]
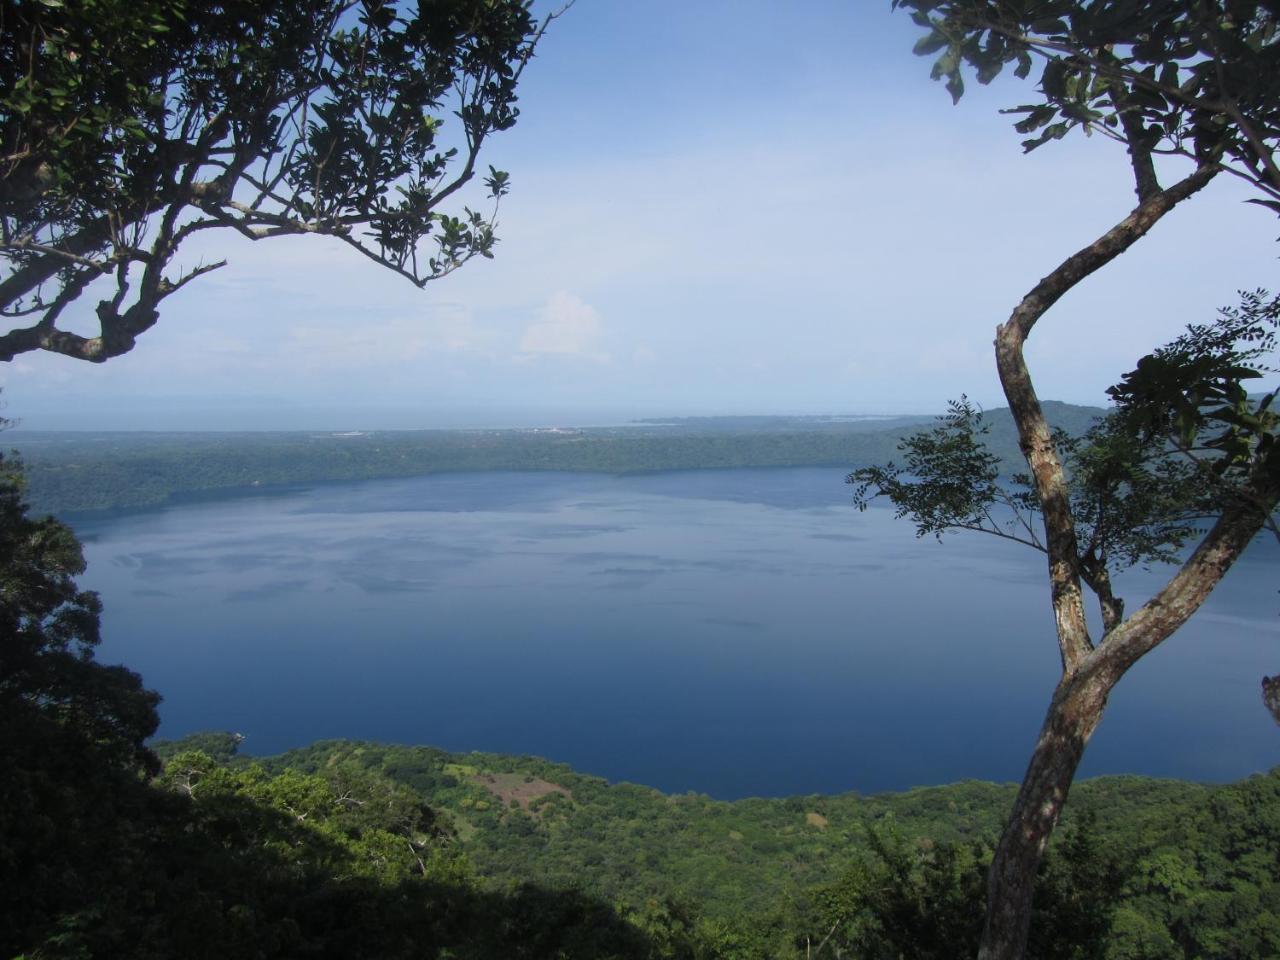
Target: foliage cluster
[[1192, 393], [1133, 504], [924, 900], [72, 731], [881, 875], [1183, 438], [1194, 79], [212, 861], [127, 128]]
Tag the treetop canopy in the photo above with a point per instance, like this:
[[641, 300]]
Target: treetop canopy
[[128, 126], [1192, 78]]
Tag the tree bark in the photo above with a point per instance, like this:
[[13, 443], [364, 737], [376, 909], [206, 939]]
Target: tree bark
[[1078, 704], [1073, 715], [1088, 673], [1034, 435]]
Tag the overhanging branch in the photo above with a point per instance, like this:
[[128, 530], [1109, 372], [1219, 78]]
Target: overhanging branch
[[308, 130]]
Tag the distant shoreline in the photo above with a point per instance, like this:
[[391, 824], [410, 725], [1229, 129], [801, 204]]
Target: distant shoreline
[[77, 473]]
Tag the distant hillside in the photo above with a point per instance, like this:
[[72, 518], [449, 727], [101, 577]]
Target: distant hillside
[[74, 472]]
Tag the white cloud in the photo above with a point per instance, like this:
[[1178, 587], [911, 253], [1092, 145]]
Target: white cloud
[[566, 326]]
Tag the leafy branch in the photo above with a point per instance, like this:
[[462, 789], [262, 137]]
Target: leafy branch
[[127, 128]]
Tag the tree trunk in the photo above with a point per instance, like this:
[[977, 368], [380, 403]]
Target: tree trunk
[[1088, 673], [1073, 715], [1080, 699]]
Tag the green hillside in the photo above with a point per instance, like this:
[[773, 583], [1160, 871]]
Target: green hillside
[[74, 472], [1191, 868]]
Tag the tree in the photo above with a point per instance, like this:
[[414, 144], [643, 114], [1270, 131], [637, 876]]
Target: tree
[[48, 677], [923, 900], [72, 730], [1196, 80], [127, 127]]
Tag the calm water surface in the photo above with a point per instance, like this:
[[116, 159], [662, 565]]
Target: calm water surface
[[733, 632]]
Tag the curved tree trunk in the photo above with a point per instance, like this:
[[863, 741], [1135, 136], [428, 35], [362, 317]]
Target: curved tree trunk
[[1088, 672]]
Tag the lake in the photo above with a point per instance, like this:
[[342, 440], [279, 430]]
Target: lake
[[733, 632]]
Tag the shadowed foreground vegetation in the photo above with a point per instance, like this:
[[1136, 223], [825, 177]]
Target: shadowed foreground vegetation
[[354, 849]]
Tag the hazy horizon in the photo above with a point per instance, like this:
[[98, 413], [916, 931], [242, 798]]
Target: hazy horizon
[[177, 416]]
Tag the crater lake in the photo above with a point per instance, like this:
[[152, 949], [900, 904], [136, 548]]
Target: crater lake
[[732, 632]]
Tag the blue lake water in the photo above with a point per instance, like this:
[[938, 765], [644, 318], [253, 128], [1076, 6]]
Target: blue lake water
[[734, 632]]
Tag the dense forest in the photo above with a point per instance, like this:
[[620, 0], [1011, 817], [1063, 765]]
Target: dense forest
[[73, 472], [1164, 869]]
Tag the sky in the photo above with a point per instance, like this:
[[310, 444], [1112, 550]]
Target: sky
[[717, 207]]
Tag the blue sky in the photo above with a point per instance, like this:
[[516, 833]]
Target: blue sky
[[720, 206]]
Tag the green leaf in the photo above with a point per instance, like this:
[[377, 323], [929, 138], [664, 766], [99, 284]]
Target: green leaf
[[1052, 26], [1054, 79], [931, 43]]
